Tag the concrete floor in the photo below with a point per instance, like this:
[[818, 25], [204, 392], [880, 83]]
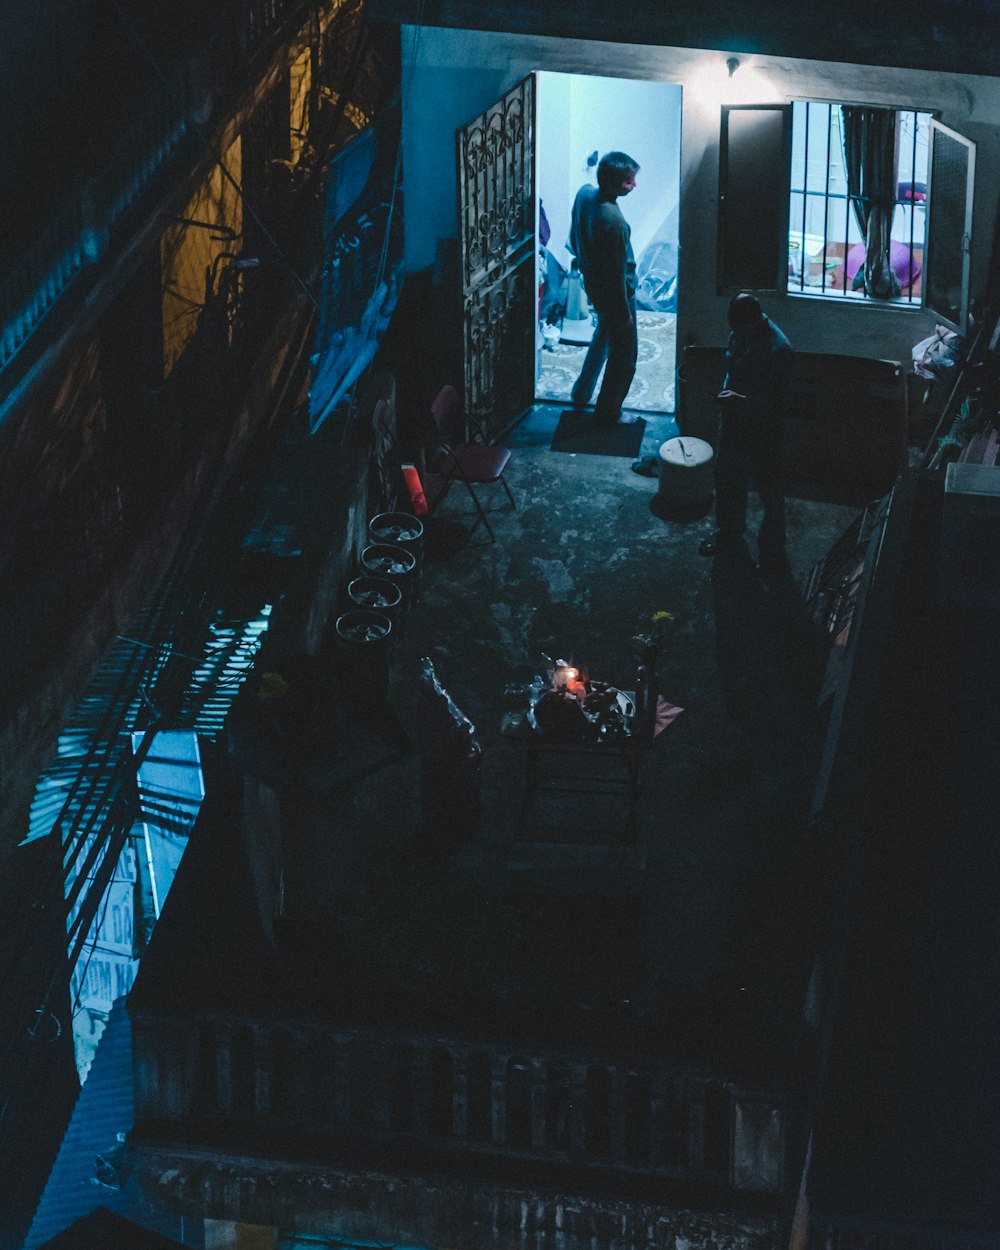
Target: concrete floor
[[695, 943], [706, 922]]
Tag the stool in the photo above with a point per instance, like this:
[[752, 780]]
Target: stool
[[686, 472]]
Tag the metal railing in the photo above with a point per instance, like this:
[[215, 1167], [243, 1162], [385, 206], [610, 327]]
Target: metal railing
[[303, 1079], [67, 246]]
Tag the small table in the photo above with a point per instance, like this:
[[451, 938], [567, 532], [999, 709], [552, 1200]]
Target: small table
[[604, 766]]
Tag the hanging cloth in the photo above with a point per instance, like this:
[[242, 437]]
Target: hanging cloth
[[870, 162]]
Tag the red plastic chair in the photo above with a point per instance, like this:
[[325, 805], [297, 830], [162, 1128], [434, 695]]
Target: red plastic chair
[[473, 463]]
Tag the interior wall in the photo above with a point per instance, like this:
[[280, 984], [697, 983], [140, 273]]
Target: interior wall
[[440, 98], [561, 164], [580, 115]]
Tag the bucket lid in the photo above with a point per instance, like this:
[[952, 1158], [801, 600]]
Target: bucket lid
[[684, 452]]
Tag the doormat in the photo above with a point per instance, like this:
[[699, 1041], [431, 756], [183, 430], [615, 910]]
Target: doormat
[[577, 434]]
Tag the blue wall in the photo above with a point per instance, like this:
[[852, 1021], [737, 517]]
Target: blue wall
[[437, 101]]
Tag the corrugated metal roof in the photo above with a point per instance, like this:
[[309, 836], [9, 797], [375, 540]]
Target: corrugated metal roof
[[105, 1109], [103, 1230]]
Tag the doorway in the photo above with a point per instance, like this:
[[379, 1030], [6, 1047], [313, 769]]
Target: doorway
[[579, 118]]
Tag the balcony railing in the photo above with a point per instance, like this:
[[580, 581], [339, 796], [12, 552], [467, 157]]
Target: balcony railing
[[271, 1082], [85, 228]]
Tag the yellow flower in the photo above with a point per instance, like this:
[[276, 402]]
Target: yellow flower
[[272, 686], [663, 616]]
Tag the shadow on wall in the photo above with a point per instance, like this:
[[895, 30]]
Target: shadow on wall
[[423, 345]]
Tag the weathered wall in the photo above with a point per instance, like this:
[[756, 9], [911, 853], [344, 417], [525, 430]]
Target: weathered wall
[[443, 97], [434, 1211]]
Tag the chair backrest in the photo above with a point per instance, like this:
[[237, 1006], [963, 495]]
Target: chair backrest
[[446, 411]]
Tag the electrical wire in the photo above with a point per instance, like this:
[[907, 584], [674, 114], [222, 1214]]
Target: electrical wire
[[199, 526], [90, 954], [406, 96], [70, 852], [212, 151], [118, 709]]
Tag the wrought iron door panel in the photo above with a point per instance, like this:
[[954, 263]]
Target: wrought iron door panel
[[497, 232], [499, 347]]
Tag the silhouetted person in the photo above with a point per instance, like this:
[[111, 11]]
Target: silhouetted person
[[759, 366], [600, 239]]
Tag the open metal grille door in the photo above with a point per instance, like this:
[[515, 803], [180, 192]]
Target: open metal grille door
[[496, 187]]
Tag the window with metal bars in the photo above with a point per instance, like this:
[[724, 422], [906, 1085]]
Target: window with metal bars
[[826, 247]]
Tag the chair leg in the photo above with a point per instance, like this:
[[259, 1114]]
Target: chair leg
[[482, 515], [507, 489], [437, 500]]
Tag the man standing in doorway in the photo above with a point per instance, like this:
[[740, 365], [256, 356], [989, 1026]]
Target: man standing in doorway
[[759, 367], [600, 239]]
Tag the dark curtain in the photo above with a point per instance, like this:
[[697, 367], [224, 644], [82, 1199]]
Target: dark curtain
[[870, 161]]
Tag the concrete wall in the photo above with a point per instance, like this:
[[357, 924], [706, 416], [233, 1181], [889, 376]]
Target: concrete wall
[[435, 1210], [438, 97]]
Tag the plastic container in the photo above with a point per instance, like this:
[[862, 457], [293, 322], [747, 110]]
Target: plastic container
[[687, 474]]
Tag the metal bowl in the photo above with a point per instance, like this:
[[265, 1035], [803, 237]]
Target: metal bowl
[[362, 625], [396, 527], [370, 591], [388, 560]]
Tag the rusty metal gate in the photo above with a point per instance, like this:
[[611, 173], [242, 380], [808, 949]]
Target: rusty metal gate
[[496, 186]]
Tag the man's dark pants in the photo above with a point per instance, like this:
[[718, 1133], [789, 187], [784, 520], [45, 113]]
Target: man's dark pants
[[617, 342], [750, 451]]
